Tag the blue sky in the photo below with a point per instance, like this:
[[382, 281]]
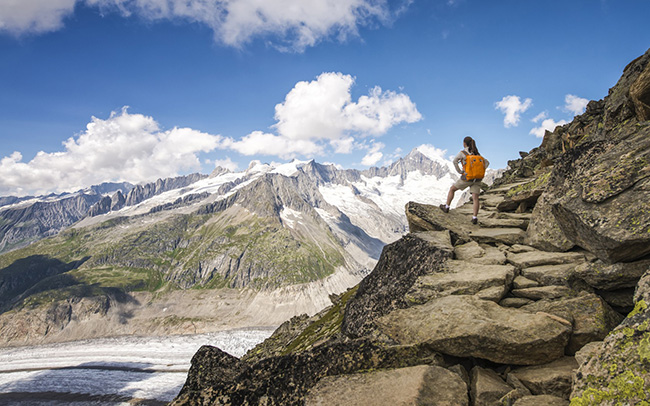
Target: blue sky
[[134, 90]]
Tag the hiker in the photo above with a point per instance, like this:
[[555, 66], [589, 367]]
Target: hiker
[[474, 182]]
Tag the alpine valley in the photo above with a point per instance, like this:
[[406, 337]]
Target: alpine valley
[[199, 253]]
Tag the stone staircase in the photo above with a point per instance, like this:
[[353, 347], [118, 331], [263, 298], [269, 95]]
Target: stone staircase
[[500, 293]]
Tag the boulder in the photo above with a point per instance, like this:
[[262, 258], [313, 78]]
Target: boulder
[[417, 386], [466, 326], [550, 379], [542, 400], [585, 353], [461, 278], [612, 276], [521, 282], [487, 387], [426, 217], [592, 318], [543, 231], [400, 265], [539, 258], [560, 275]]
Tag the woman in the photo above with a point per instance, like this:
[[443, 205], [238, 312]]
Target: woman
[[469, 146]]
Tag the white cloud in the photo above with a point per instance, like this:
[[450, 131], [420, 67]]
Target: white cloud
[[124, 147], [512, 107], [294, 24], [259, 142], [321, 113], [540, 116], [575, 104], [374, 154], [343, 145], [433, 153], [35, 16], [548, 124], [227, 164]]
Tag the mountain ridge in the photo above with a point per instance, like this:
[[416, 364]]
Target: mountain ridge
[[279, 238]]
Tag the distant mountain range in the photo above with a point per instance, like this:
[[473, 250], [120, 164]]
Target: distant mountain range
[[313, 229]]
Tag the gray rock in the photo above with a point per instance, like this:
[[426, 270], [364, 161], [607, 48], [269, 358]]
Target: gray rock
[[469, 251], [487, 387], [560, 275], [592, 318], [612, 276], [550, 379], [400, 265], [461, 278], [498, 235], [514, 302], [539, 258], [418, 386], [494, 294], [466, 326], [585, 353], [543, 292], [521, 282], [519, 248], [480, 254], [543, 231]]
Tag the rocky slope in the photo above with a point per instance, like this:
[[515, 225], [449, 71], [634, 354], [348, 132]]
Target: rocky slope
[[545, 302]]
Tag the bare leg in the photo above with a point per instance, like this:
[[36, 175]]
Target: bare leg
[[450, 195], [476, 203]]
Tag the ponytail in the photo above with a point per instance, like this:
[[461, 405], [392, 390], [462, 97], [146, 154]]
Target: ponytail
[[471, 145]]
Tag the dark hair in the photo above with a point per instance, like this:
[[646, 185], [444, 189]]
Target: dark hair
[[471, 145]]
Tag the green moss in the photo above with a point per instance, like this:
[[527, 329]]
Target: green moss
[[644, 348], [623, 389], [639, 307], [323, 328], [538, 183]]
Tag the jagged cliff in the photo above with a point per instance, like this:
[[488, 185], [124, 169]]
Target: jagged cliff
[[545, 302]]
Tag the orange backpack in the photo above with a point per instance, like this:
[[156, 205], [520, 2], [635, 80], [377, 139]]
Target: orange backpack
[[474, 167]]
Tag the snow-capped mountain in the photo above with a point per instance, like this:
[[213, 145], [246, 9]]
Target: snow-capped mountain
[[365, 209], [269, 242]]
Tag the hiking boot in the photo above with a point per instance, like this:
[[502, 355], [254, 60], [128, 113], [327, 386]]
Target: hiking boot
[[474, 220], [444, 208]]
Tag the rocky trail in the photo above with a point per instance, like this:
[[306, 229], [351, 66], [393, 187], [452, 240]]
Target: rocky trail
[[543, 302]]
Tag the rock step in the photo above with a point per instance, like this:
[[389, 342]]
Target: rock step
[[508, 236], [466, 326], [547, 275], [516, 216], [542, 292], [501, 223], [410, 386], [549, 379], [537, 258], [507, 187], [465, 278], [491, 201]]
